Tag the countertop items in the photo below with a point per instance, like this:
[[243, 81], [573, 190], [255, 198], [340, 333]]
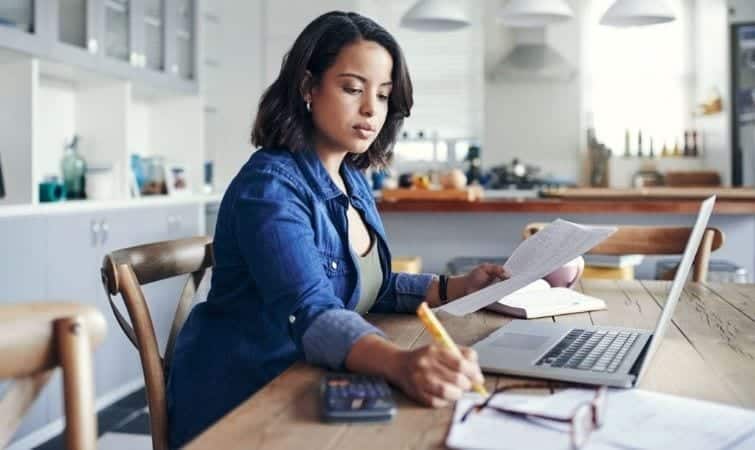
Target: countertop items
[[661, 200]]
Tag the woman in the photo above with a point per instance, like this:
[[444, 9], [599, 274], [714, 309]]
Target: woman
[[300, 251]]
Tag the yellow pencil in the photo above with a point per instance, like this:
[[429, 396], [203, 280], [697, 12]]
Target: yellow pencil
[[441, 336]]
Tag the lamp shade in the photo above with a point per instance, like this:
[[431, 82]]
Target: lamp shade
[[534, 13], [436, 15], [633, 13]]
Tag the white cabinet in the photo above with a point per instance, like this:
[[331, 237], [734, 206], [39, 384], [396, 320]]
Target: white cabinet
[[58, 257], [22, 275]]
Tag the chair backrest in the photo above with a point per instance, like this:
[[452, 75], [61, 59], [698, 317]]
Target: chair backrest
[[651, 240], [124, 272], [35, 338]]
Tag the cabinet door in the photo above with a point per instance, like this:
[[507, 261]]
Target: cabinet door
[[153, 32], [78, 28], [72, 274], [22, 274], [180, 28], [20, 22]]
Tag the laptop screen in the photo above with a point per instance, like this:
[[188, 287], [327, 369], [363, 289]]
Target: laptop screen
[[706, 209]]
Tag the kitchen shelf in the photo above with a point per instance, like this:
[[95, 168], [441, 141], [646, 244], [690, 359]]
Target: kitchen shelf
[[78, 206]]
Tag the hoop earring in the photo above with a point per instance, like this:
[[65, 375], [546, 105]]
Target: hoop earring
[[309, 107]]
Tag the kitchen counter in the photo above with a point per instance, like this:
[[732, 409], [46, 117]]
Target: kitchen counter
[[590, 201]]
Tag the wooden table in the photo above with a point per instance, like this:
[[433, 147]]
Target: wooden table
[[709, 354]]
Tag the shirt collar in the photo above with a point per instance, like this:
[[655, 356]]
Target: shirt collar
[[322, 182]]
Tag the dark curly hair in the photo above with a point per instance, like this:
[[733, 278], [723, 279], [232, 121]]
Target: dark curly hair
[[283, 120]]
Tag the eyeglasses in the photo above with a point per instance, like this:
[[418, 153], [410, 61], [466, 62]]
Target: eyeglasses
[[585, 417]]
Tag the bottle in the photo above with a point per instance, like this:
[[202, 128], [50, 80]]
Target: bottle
[[695, 151], [686, 149], [74, 168], [677, 150], [664, 151], [651, 152], [627, 152], [639, 143]]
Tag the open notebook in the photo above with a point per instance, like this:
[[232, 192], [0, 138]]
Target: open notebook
[[539, 299]]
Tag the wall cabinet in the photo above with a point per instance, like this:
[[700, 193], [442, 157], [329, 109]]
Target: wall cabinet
[[150, 41], [61, 259]]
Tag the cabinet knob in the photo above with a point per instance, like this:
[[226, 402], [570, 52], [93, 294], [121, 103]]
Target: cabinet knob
[[94, 228], [105, 231]]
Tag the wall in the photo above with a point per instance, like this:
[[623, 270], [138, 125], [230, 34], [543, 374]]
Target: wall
[[742, 10], [712, 71], [538, 122]]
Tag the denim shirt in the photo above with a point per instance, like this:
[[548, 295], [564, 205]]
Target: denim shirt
[[284, 288]]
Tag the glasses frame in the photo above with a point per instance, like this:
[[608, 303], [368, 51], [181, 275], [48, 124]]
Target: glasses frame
[[595, 407]]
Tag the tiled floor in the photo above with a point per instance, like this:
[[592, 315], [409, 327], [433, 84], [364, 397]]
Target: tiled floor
[[127, 415]]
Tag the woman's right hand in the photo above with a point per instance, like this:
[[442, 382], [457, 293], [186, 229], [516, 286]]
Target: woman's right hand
[[434, 376]]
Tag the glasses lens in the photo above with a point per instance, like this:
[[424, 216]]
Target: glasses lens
[[599, 407], [581, 425]]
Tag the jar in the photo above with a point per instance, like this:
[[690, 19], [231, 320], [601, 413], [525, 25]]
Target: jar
[[99, 182]]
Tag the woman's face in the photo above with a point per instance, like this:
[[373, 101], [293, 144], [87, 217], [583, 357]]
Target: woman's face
[[350, 102]]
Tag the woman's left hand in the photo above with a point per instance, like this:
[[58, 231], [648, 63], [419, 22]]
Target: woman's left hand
[[481, 276]]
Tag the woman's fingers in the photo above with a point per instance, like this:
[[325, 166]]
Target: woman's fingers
[[464, 365]]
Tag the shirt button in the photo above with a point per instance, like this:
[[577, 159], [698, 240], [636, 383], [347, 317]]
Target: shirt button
[[291, 319], [334, 265]]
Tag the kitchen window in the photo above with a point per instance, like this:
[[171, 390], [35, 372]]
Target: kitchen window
[[639, 78]]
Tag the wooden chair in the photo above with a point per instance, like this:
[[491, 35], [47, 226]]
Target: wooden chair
[[35, 338], [650, 240], [123, 272]]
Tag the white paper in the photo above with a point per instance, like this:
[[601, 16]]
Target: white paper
[[492, 430], [545, 251], [648, 420]]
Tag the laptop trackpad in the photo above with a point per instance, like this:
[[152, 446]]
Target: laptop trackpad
[[520, 341]]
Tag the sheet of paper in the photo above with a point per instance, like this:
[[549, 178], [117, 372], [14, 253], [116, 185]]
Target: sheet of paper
[[642, 419], [492, 430], [541, 254]]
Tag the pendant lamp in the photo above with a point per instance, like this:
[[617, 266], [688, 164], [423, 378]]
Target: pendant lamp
[[534, 13], [633, 13], [436, 15]]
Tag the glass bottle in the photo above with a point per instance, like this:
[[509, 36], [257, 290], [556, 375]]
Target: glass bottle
[[639, 143], [74, 168], [627, 151]]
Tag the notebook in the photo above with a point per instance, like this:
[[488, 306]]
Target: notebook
[[539, 299]]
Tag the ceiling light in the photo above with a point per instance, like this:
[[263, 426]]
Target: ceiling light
[[436, 15], [535, 13], [632, 13]]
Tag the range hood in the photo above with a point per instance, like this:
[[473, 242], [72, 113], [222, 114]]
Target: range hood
[[532, 59]]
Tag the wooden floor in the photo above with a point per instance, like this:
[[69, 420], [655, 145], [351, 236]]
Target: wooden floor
[[708, 354]]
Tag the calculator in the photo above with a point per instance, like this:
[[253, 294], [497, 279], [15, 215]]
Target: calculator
[[349, 397]]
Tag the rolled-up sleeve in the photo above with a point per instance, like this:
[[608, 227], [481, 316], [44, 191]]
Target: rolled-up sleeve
[[329, 338], [404, 293], [276, 239]]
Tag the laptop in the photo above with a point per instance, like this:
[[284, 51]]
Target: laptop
[[599, 355]]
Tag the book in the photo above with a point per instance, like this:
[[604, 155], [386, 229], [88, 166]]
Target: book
[[539, 255], [613, 260], [539, 299]]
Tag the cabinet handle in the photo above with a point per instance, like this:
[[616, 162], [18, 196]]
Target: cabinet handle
[[92, 46], [95, 231], [105, 231]]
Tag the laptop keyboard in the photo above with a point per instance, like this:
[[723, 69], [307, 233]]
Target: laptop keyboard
[[599, 351]]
